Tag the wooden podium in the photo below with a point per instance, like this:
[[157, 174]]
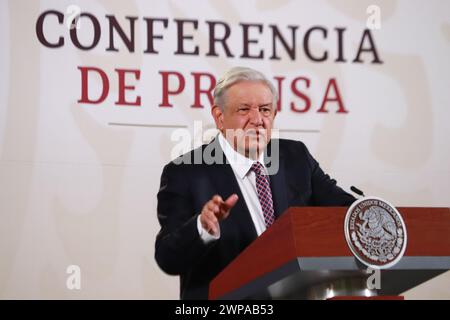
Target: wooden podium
[[306, 249]]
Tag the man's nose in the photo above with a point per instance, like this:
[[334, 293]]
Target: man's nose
[[256, 117]]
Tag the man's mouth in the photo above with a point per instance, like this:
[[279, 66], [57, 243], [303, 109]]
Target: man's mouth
[[255, 133]]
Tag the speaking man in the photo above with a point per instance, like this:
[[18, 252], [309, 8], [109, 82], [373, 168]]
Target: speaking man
[[212, 210]]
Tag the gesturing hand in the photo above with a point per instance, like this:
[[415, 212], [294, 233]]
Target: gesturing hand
[[216, 210]]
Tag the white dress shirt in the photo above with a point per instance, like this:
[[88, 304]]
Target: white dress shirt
[[246, 179]]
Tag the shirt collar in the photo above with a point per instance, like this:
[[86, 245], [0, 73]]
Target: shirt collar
[[240, 163]]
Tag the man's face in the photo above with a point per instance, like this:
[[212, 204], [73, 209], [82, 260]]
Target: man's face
[[247, 118]]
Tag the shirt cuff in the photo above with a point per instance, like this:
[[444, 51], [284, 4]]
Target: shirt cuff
[[205, 235]]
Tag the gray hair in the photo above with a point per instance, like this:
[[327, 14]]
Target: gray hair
[[238, 74]]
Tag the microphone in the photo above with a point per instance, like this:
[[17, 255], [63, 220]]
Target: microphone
[[357, 191]]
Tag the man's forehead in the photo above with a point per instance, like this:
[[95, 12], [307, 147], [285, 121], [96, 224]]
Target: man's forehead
[[247, 83], [243, 91]]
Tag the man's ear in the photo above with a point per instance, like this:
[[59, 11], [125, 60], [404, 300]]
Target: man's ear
[[217, 114]]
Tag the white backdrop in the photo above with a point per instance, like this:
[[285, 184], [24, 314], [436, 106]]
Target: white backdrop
[[78, 189]]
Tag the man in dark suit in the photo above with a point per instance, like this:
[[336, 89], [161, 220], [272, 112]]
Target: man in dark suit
[[214, 201]]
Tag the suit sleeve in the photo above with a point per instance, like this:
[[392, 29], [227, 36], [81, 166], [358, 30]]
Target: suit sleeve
[[178, 244], [325, 191]]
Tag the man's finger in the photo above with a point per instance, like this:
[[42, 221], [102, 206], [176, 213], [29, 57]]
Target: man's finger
[[217, 199], [227, 205], [210, 216], [210, 223], [212, 206], [212, 229], [231, 201]]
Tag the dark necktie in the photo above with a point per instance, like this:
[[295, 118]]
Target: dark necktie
[[264, 193]]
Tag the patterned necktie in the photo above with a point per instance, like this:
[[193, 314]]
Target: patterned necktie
[[264, 193]]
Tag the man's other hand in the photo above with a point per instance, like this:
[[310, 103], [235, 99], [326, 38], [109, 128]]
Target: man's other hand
[[216, 210]]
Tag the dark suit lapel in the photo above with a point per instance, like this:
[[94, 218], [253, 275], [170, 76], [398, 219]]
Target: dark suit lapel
[[276, 167]]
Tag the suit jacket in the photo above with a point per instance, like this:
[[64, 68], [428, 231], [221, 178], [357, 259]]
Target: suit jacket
[[185, 188]]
